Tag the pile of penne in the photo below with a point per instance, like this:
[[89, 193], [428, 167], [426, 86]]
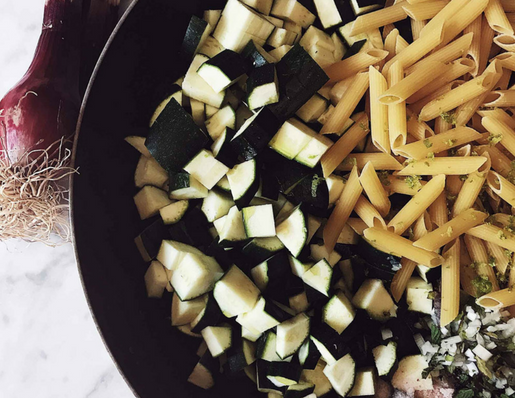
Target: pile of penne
[[439, 127]]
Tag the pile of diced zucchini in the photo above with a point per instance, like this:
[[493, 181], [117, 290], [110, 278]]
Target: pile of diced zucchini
[[230, 171]]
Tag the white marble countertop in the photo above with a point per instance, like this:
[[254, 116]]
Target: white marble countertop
[[49, 345]]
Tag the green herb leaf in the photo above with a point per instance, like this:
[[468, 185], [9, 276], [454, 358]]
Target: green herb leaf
[[428, 143], [436, 335], [465, 393]]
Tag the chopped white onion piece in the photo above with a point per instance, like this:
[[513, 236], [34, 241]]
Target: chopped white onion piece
[[482, 352]]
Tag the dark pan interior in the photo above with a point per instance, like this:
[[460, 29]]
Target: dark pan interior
[[154, 358]]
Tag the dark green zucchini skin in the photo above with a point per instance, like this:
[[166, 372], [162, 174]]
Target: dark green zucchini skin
[[152, 236], [247, 197], [299, 394], [227, 155], [252, 56], [354, 49], [312, 357], [230, 63], [381, 265], [196, 227], [313, 195], [269, 186], [330, 339], [290, 370], [178, 180], [255, 255], [263, 382], [192, 37], [174, 138], [287, 173], [403, 330], [299, 78], [345, 10], [315, 298], [212, 315], [249, 143], [169, 87], [260, 77]]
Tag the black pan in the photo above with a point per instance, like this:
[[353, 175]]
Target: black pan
[[140, 59]]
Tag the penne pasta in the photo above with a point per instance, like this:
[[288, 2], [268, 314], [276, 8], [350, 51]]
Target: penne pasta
[[499, 161], [405, 185], [501, 187], [380, 161], [508, 5], [417, 129], [423, 148], [450, 306], [397, 124], [346, 105], [455, 23], [379, 18], [342, 210], [452, 51], [422, 226], [357, 224], [423, 11], [491, 233], [497, 19], [416, 107], [417, 205], [506, 42], [438, 211], [349, 67], [499, 299], [467, 272], [471, 188], [444, 165], [500, 257], [479, 256], [451, 230], [501, 132], [378, 111], [416, 28], [345, 144], [453, 7], [400, 45], [374, 189], [455, 70], [389, 43], [369, 213], [390, 242], [401, 278], [474, 51], [507, 60], [414, 82], [500, 99], [418, 49], [460, 95], [487, 37]]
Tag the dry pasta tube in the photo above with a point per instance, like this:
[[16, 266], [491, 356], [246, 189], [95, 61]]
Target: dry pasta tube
[[390, 242], [357, 224], [438, 210], [416, 107], [500, 99], [498, 114], [457, 22], [487, 40], [502, 187], [349, 67], [444, 165], [507, 60], [456, 69], [450, 283], [438, 143], [471, 188], [491, 233], [416, 28], [502, 259], [500, 131], [497, 19], [499, 299], [345, 144], [451, 230], [389, 43], [405, 185], [378, 111], [452, 8], [467, 272], [413, 83], [379, 18], [369, 213], [474, 51], [374, 189], [397, 124], [417, 205], [506, 42], [500, 162], [401, 278], [342, 210], [380, 161], [479, 256], [424, 11], [346, 105]]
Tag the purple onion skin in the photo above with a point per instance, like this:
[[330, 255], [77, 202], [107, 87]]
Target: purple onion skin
[[44, 105]]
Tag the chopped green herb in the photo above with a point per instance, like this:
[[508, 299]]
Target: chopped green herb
[[501, 235], [464, 177], [428, 143], [492, 261], [430, 155], [482, 285], [465, 393], [413, 181], [449, 117], [436, 334], [383, 177], [494, 139], [450, 142]]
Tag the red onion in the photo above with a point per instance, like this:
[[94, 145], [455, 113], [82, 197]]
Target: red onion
[[37, 120]]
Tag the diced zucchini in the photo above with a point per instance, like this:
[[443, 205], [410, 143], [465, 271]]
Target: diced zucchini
[[319, 252], [244, 182], [149, 172], [418, 296], [218, 339], [212, 17], [339, 47], [319, 277], [328, 13], [335, 185], [209, 316], [298, 268], [198, 112], [149, 200], [291, 334], [291, 138], [211, 47], [293, 232], [279, 52], [293, 27], [263, 6], [283, 374], [314, 224], [224, 152], [363, 6], [216, 205], [313, 109], [293, 11], [185, 312], [222, 70], [203, 374], [195, 35], [301, 390], [385, 357], [299, 302], [318, 378], [255, 55], [248, 335], [259, 319], [364, 383], [174, 138], [235, 293], [138, 143], [373, 297], [338, 312], [309, 355], [281, 37], [149, 241], [266, 347], [185, 186], [262, 87], [223, 118], [194, 86], [240, 356], [316, 37], [233, 230], [341, 374], [310, 155], [174, 212], [156, 279], [175, 92], [261, 249], [206, 169], [259, 221]]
